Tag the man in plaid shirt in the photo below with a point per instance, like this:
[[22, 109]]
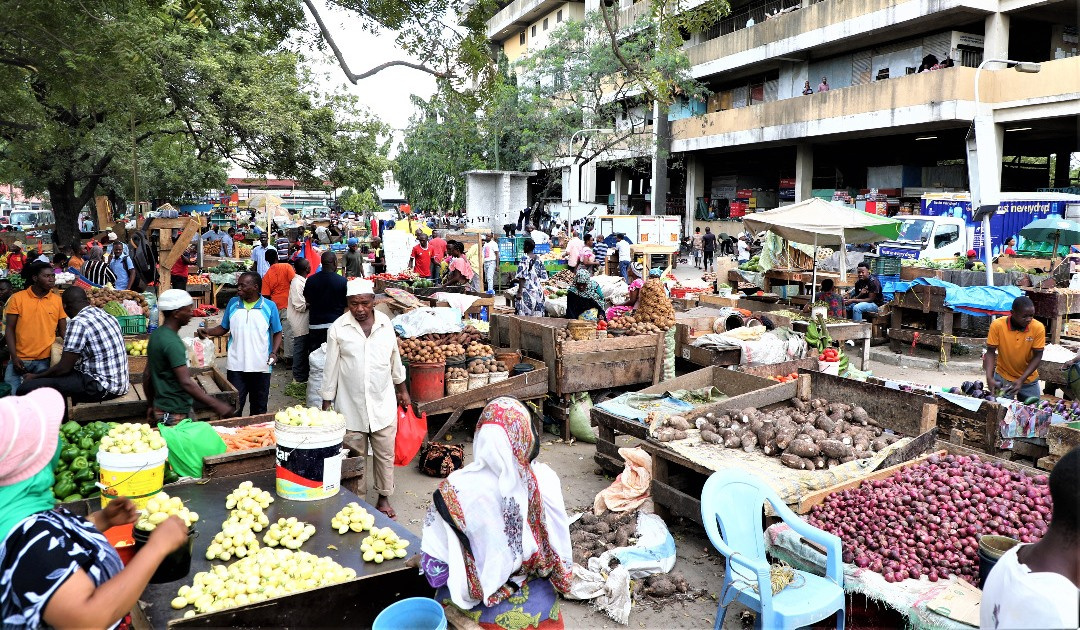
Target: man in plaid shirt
[[94, 365]]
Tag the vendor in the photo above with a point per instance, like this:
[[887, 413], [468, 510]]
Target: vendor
[[170, 390], [1036, 585], [1010, 247], [94, 364], [586, 257], [972, 259], [460, 272], [636, 271], [496, 539], [865, 296], [1014, 349], [59, 570], [378, 262], [584, 297], [97, 271], [34, 319], [354, 260], [831, 297], [531, 272]]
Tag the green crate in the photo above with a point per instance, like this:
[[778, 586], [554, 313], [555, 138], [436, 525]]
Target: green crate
[[132, 324]]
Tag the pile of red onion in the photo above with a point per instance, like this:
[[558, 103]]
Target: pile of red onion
[[926, 520]]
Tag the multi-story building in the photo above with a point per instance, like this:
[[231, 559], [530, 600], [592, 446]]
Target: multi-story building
[[900, 99]]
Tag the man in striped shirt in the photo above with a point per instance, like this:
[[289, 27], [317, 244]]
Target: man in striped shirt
[[600, 250]]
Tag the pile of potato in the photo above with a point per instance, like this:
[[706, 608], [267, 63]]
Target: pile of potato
[[477, 349], [634, 325], [211, 248], [653, 305], [485, 367], [417, 351], [806, 436], [435, 348], [101, 297], [456, 373]]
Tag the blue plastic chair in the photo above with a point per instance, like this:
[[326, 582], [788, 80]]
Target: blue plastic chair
[[731, 507]]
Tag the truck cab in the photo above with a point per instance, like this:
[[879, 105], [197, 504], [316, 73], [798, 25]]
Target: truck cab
[[929, 238]]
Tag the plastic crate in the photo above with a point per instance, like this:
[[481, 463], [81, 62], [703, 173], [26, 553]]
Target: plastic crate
[[132, 324], [542, 248], [884, 265], [510, 248]]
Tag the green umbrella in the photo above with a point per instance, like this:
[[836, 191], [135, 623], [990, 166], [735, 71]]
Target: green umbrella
[[1052, 230]]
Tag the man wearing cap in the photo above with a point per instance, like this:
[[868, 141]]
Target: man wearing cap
[[94, 364], [365, 381], [255, 325], [170, 390], [227, 243], [35, 318], [972, 258], [325, 297], [354, 261]]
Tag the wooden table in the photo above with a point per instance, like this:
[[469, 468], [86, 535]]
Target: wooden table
[[646, 252], [916, 306], [131, 407], [847, 331]]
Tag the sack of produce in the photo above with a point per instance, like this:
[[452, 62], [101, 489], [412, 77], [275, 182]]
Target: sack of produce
[[580, 424], [316, 364]]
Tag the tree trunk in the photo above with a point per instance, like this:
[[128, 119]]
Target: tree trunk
[[66, 209]]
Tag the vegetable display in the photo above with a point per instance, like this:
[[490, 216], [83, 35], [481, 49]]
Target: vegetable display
[[246, 438], [237, 535], [352, 517], [383, 544], [436, 348], [290, 533], [754, 264], [77, 470], [807, 436], [137, 347], [131, 437], [925, 520], [162, 506], [102, 297], [653, 306]]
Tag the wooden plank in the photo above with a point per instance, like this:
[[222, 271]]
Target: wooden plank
[[631, 342], [1061, 439], [660, 358], [608, 356], [931, 339], [676, 502], [602, 375], [708, 356], [904, 412], [817, 497], [206, 381], [523, 386]]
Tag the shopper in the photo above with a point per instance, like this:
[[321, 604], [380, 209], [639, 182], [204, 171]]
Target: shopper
[[573, 251], [354, 261], [622, 248], [170, 390], [531, 272], [1014, 349], [824, 85], [258, 255], [586, 257], [1036, 585], [491, 261], [297, 314], [365, 381], [255, 328], [708, 250], [460, 272], [496, 538], [16, 259], [59, 570], [97, 271], [122, 267], [420, 258], [227, 243], [94, 364], [35, 318], [697, 243], [276, 282], [178, 274], [324, 293], [438, 247], [865, 297]]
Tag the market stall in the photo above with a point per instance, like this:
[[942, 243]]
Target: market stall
[[1054, 306], [132, 406]]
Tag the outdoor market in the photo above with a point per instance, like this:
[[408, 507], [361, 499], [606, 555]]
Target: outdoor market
[[731, 411]]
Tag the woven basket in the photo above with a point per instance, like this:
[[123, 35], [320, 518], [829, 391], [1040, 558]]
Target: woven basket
[[495, 377], [457, 386], [581, 331], [478, 380]]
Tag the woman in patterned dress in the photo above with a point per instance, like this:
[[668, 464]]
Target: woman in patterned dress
[[62, 570], [530, 274], [509, 581]]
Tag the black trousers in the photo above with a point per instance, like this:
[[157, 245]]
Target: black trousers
[[315, 338], [75, 385], [254, 384]]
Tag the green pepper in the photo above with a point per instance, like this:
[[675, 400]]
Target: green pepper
[[80, 463], [84, 474], [71, 497], [63, 488], [69, 427], [87, 443], [69, 452], [170, 474], [67, 474], [88, 488]]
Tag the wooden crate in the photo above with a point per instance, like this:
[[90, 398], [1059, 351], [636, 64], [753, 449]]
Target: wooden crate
[[780, 369], [581, 366], [922, 297], [743, 390], [678, 480], [708, 356], [221, 346], [1062, 438], [131, 407], [907, 274]]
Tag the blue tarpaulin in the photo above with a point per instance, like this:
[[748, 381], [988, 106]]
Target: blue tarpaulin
[[982, 301]]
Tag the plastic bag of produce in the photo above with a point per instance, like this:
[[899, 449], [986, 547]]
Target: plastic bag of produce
[[669, 354], [189, 442], [200, 352], [580, 423], [316, 365]]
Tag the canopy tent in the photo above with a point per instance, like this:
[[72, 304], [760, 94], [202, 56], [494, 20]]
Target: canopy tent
[[818, 222], [411, 225]]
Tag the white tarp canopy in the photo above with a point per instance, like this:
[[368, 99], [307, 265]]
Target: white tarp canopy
[[819, 222]]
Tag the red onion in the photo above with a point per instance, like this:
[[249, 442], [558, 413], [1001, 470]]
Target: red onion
[[925, 520]]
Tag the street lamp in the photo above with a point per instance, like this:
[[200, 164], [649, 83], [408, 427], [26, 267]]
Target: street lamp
[[577, 169], [973, 153]]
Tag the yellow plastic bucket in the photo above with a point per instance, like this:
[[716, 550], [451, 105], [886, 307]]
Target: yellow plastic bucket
[[137, 476]]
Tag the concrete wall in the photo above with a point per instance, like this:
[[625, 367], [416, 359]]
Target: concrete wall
[[494, 198]]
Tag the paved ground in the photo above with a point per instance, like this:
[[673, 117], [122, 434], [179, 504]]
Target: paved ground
[[582, 479]]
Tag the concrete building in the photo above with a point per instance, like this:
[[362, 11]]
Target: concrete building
[[893, 118]]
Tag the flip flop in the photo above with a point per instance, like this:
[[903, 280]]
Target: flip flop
[[389, 512]]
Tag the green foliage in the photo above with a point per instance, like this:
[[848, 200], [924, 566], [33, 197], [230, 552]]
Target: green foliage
[[358, 202]]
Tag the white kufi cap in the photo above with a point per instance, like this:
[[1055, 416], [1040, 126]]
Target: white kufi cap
[[360, 286], [174, 299]]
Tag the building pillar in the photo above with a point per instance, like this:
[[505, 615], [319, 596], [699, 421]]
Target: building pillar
[[804, 171], [625, 4], [996, 37], [695, 187], [661, 150], [1062, 162]]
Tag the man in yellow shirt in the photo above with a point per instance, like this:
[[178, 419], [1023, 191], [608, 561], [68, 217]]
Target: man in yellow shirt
[[35, 318], [1014, 349]]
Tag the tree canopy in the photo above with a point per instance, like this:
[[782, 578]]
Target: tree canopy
[[184, 85]]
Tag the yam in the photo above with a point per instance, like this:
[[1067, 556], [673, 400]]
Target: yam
[[679, 435], [819, 462], [878, 444], [798, 404], [834, 449], [588, 518], [710, 437], [665, 434], [678, 423], [701, 422], [845, 460], [792, 461], [602, 528], [624, 534], [749, 441], [825, 423], [784, 437], [680, 581], [731, 440], [808, 464], [748, 413], [830, 463], [859, 415], [802, 448], [660, 586]]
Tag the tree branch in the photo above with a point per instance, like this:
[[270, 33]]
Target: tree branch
[[355, 78], [91, 185], [613, 35]]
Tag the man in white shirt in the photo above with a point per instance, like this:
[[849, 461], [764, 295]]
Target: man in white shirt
[[363, 370], [744, 251], [1038, 585], [491, 261], [298, 319], [623, 248], [537, 236]]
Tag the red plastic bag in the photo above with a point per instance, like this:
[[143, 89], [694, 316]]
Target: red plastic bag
[[411, 432]]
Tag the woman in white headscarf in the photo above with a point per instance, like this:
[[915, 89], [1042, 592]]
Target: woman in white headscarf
[[496, 540]]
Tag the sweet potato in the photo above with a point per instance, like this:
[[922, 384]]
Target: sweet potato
[[834, 449], [802, 448], [792, 461]]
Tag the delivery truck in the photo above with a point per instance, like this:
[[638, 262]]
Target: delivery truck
[[642, 229], [945, 228]]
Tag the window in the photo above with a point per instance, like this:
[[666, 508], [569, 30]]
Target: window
[[545, 24], [521, 38], [558, 16], [946, 234], [534, 30]]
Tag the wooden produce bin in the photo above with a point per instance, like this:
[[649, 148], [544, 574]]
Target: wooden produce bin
[[131, 407], [916, 307], [1054, 306], [691, 325], [847, 331], [743, 390], [528, 386], [581, 366], [678, 479], [1060, 439], [780, 369]]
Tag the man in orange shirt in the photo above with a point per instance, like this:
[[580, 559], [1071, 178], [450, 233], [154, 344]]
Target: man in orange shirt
[[275, 287], [35, 318], [1014, 349]]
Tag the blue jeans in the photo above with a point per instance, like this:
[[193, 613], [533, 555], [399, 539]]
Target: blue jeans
[[300, 358], [1029, 390], [624, 270], [490, 269], [34, 367], [436, 271], [858, 308]]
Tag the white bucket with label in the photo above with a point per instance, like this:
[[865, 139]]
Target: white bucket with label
[[309, 461], [136, 476]]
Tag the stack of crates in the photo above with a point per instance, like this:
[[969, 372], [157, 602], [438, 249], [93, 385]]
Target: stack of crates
[[510, 248], [887, 270]]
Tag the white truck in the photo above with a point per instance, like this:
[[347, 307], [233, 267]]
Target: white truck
[[642, 229], [928, 238]]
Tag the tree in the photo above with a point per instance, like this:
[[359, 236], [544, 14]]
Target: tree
[[193, 83]]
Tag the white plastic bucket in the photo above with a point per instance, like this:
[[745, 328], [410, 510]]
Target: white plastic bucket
[[829, 367], [137, 476], [308, 461]]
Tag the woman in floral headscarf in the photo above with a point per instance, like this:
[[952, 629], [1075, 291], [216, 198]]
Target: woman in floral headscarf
[[584, 300], [508, 580]]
